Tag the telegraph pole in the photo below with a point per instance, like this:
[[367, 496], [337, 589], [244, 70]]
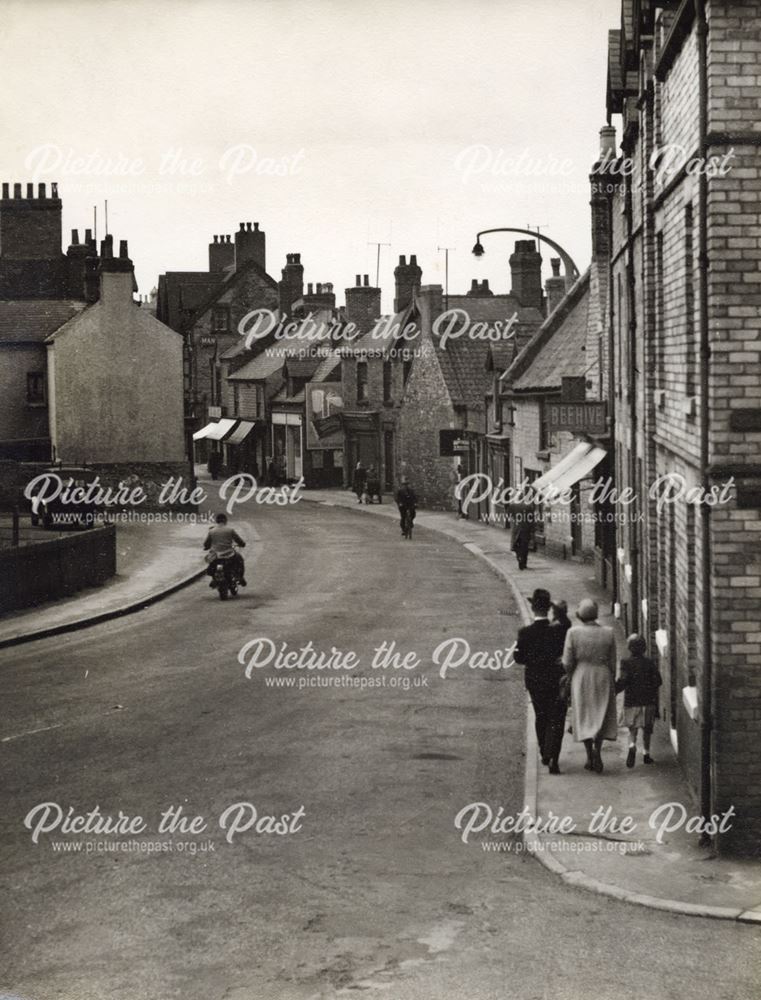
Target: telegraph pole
[[377, 262]]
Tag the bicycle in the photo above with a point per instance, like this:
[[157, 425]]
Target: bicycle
[[408, 517]]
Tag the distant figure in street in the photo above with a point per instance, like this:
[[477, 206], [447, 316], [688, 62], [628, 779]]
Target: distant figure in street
[[215, 464], [589, 658], [271, 472], [560, 617], [539, 648], [639, 680], [359, 483], [221, 541], [406, 501], [521, 537], [459, 475], [372, 487]]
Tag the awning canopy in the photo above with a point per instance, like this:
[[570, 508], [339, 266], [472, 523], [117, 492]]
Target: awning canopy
[[241, 432], [214, 431], [576, 465]]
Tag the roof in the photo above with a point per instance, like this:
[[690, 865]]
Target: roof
[[283, 397], [463, 365], [490, 308], [258, 368], [32, 321], [387, 333], [557, 348], [302, 367], [182, 291], [232, 277], [327, 367]]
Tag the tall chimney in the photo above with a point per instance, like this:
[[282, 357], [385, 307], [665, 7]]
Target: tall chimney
[[526, 271], [407, 279], [554, 287], [363, 304], [600, 181], [221, 254], [291, 285], [250, 245]]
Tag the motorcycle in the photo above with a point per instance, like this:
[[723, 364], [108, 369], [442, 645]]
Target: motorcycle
[[225, 578]]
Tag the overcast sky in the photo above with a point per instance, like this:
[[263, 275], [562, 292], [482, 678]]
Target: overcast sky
[[409, 122]]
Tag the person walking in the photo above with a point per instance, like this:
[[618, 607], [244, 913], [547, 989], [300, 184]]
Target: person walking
[[589, 658], [639, 680], [406, 501], [359, 483], [521, 536], [539, 648]]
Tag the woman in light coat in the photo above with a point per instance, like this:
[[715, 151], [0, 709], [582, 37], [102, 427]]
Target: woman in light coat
[[589, 659]]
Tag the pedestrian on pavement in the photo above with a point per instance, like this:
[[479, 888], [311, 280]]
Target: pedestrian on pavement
[[521, 536], [639, 680], [459, 476], [539, 648], [359, 482], [589, 658], [372, 487]]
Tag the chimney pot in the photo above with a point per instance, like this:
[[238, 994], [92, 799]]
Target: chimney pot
[[88, 236], [297, 258], [54, 190], [16, 190], [367, 281], [555, 265], [607, 142], [216, 239], [485, 285], [75, 236], [256, 227], [309, 288], [41, 191], [474, 285], [402, 260], [248, 227], [6, 191], [123, 249], [358, 282], [228, 239], [413, 260], [242, 226], [30, 190]]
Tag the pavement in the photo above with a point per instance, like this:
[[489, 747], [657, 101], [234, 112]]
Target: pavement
[[152, 561], [622, 843], [641, 864]]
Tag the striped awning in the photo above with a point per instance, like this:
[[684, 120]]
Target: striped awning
[[576, 465], [215, 431], [241, 432]]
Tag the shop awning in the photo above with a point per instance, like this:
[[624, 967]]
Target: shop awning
[[241, 432], [214, 431], [497, 438], [576, 465]]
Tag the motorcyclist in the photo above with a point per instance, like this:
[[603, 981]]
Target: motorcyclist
[[405, 501], [221, 540]]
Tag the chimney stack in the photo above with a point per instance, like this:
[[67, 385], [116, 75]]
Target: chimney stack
[[363, 304], [554, 287], [250, 245], [291, 285], [600, 199], [117, 276], [407, 279], [526, 271], [30, 227], [221, 254]]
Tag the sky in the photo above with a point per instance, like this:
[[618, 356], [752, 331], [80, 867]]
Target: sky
[[335, 125]]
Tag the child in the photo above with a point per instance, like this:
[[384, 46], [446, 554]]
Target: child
[[639, 680]]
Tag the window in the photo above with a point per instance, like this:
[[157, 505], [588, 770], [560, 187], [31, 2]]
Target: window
[[388, 394], [220, 319], [236, 399], [361, 381], [407, 368], [35, 388]]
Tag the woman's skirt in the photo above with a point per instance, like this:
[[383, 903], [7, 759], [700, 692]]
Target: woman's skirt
[[593, 703]]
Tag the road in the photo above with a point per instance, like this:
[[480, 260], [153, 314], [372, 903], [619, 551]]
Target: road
[[373, 892]]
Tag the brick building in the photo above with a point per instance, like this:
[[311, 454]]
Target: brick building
[[686, 336], [443, 421]]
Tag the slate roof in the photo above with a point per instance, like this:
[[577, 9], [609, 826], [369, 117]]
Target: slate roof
[[463, 365], [326, 368], [32, 321], [302, 367], [283, 397], [388, 334], [557, 349], [260, 367], [181, 291]]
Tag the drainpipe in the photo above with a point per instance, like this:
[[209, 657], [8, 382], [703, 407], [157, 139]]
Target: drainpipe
[[632, 362], [707, 680], [612, 395]]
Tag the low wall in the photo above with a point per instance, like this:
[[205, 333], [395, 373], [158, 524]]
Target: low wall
[[44, 571]]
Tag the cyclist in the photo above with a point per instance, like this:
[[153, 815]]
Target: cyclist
[[406, 501]]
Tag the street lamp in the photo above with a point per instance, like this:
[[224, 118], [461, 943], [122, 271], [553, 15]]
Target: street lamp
[[571, 271]]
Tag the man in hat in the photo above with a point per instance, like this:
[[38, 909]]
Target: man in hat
[[540, 648]]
